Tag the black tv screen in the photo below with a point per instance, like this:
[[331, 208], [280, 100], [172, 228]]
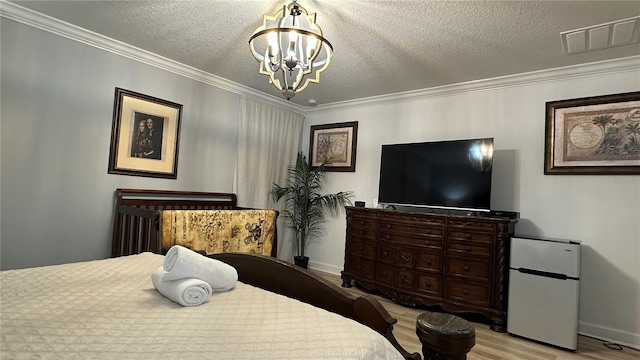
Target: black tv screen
[[452, 174]]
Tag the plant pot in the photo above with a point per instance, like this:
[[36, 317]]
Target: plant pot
[[302, 261]]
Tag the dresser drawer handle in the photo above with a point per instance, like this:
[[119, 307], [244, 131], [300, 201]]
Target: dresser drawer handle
[[465, 291], [405, 257], [404, 278], [362, 223], [361, 248], [427, 284], [427, 242], [466, 268], [385, 253], [468, 236], [388, 237], [429, 262], [388, 226], [384, 273], [361, 232], [467, 248], [428, 232], [359, 266]]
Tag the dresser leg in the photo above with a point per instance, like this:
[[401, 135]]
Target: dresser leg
[[498, 325], [346, 280]]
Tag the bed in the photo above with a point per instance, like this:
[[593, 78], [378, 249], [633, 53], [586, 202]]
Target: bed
[[109, 309]]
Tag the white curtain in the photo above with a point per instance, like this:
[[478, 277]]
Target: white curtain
[[268, 143]]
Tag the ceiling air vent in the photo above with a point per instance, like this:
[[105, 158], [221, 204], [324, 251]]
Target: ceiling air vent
[[615, 33]]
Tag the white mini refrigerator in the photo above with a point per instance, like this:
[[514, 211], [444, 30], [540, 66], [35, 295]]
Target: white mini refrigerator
[[544, 279]]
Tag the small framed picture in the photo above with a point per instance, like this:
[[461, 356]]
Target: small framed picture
[[597, 135], [335, 144], [145, 136]]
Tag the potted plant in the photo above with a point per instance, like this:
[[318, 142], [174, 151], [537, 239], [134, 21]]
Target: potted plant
[[305, 208]]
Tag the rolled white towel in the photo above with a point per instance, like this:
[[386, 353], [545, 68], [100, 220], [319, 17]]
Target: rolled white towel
[[186, 292], [181, 263]]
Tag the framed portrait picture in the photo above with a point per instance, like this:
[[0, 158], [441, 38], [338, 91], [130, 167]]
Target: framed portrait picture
[[597, 135], [145, 136], [335, 143]]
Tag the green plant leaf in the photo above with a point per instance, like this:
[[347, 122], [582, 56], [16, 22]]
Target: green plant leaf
[[305, 208]]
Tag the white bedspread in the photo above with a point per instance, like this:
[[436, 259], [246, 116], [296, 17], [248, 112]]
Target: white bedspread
[[108, 309]]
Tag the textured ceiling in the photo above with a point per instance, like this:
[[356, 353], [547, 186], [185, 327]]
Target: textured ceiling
[[381, 47]]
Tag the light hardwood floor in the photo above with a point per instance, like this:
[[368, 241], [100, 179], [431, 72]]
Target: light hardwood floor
[[491, 345]]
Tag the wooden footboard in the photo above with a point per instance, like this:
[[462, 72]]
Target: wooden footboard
[[287, 279], [138, 216]]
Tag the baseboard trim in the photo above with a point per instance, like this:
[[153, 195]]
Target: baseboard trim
[[604, 333], [324, 267]]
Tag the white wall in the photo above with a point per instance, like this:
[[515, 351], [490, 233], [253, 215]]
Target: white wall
[[601, 211], [56, 116]]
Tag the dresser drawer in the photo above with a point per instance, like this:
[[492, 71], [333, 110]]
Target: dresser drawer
[[405, 258], [470, 248], [411, 229], [360, 267], [364, 233], [471, 268], [430, 284], [406, 279], [429, 260], [432, 242], [363, 248], [362, 223], [457, 235], [386, 253], [487, 225], [391, 276], [397, 256], [467, 293], [414, 218], [386, 274]]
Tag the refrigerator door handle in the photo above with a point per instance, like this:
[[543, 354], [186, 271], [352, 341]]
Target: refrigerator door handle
[[543, 273]]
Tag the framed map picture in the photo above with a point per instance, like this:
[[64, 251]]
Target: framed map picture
[[335, 144], [597, 135], [145, 136]]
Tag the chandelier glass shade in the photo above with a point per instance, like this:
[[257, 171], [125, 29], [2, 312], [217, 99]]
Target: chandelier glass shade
[[291, 49]]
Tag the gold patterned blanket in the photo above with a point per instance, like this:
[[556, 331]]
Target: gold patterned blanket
[[217, 231]]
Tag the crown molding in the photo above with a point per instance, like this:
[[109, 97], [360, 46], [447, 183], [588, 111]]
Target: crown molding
[[52, 25], [43, 22], [620, 65]]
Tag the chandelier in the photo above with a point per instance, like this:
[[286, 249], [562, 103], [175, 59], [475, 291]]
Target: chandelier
[[291, 49]]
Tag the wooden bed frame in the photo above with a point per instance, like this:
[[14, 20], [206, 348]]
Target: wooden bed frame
[[136, 224], [295, 282], [136, 231]]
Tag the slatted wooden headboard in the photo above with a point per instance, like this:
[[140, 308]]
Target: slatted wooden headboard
[[136, 221]]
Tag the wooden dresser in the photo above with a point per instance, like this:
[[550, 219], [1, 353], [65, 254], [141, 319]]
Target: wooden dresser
[[457, 262]]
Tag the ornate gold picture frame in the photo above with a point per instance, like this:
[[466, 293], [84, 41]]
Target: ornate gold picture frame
[[597, 135]]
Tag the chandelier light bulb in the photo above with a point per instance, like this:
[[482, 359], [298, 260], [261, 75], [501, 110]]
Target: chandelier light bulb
[[311, 46]]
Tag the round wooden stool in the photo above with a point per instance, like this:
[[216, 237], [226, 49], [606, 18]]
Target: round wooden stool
[[445, 336]]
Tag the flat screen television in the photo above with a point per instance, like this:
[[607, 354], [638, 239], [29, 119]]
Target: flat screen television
[[454, 175]]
